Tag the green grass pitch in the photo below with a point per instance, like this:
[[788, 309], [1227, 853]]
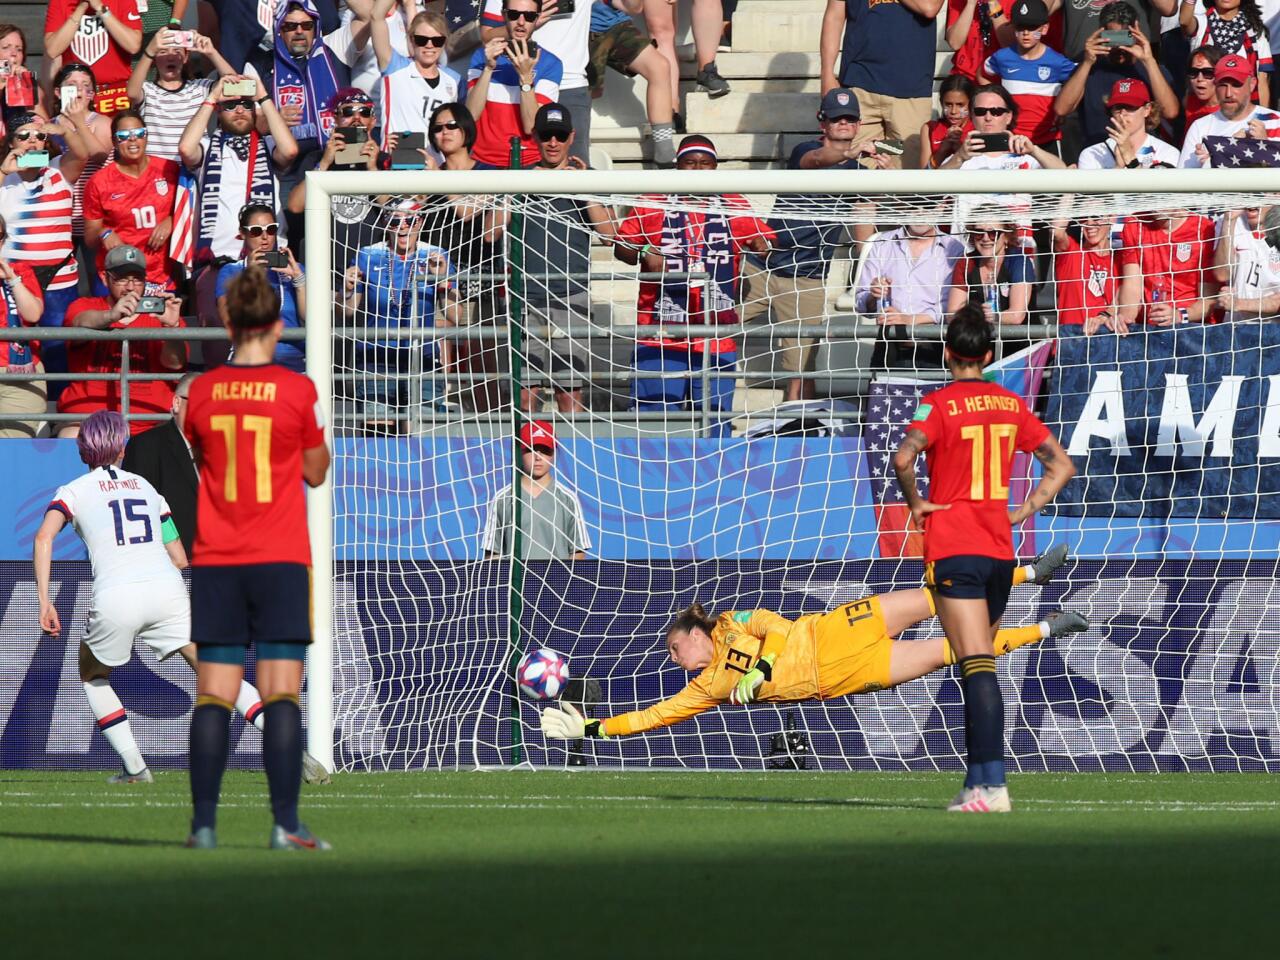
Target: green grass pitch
[[654, 865]]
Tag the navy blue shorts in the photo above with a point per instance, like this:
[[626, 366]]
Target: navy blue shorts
[[973, 578], [251, 603]]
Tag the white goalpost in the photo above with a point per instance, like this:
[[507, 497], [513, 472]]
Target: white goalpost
[[447, 311]]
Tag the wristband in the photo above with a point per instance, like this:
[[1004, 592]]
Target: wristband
[[594, 728], [104, 234], [210, 103], [175, 22], [261, 101], [299, 281], [104, 13]]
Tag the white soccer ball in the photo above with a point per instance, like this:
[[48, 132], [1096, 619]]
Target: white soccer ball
[[542, 674]]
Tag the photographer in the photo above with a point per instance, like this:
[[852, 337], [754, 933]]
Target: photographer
[[990, 145], [124, 306], [259, 231]]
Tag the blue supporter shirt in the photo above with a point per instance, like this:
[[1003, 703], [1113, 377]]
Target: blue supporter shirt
[[604, 17], [395, 290], [887, 49], [288, 354], [803, 247]]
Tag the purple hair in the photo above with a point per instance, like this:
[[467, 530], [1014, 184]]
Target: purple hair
[[102, 438]]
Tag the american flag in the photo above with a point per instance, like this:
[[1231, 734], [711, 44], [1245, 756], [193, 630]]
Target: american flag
[[1242, 152], [890, 406], [182, 240]]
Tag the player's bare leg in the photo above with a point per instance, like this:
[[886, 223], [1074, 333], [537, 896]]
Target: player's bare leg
[[280, 678], [113, 720], [248, 704]]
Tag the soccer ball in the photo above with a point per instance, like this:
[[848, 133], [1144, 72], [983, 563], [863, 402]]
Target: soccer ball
[[542, 674]]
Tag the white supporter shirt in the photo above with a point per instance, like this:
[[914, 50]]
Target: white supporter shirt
[[118, 515], [1216, 125], [409, 99], [1101, 156], [567, 37], [232, 195], [1254, 265], [166, 113]]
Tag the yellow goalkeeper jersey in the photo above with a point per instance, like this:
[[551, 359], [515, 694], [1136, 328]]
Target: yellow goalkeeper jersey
[[819, 656]]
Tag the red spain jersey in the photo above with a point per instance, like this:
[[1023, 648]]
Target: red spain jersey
[[249, 426], [132, 207], [1173, 263], [973, 428]]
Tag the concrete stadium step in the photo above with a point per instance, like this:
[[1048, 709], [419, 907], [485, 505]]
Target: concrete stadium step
[[750, 113], [741, 63], [769, 25]]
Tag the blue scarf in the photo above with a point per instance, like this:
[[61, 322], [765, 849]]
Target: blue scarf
[[260, 188], [702, 244], [314, 84]]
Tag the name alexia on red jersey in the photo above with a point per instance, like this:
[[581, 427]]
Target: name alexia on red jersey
[[249, 426]]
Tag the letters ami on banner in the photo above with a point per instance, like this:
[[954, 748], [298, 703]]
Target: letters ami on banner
[[1171, 423]]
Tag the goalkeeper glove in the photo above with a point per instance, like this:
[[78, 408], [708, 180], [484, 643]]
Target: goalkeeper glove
[[745, 690], [566, 723]]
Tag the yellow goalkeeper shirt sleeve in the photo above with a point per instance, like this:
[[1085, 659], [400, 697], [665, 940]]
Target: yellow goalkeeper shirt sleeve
[[694, 699]]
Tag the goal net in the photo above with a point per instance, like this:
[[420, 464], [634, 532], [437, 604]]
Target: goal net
[[716, 368]]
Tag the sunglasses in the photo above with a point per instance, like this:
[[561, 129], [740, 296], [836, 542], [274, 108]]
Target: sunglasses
[[228, 105], [993, 234], [299, 26], [554, 136], [1204, 72], [421, 41], [528, 16], [445, 125], [258, 229], [39, 136], [989, 111], [349, 112], [137, 133], [398, 222]]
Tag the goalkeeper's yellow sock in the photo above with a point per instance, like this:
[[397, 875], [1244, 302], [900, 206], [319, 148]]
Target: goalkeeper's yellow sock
[[1007, 641], [1022, 574]]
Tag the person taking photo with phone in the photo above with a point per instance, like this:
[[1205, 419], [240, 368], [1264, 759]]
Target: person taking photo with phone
[[260, 233], [168, 103], [992, 145], [126, 305]]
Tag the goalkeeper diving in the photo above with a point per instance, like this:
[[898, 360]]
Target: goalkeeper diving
[[756, 655]]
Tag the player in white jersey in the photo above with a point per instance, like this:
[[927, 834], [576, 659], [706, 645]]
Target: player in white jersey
[[138, 593], [1247, 259]]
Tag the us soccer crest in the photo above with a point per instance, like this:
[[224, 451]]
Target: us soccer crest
[[1183, 252], [1043, 72], [291, 96], [1097, 282], [90, 41], [162, 188]]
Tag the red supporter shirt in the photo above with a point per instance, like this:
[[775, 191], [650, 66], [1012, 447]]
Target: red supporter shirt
[[1173, 263], [973, 52], [972, 429], [132, 207], [19, 353], [92, 45], [644, 226], [938, 132], [99, 356], [1086, 282], [249, 425], [1193, 109]]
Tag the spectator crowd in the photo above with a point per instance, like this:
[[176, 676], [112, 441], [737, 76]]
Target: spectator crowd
[[151, 162]]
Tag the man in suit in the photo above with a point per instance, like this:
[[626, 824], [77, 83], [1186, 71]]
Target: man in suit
[[163, 456]]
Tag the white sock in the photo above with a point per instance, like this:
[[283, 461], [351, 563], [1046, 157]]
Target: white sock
[[1030, 570], [249, 703], [114, 724]]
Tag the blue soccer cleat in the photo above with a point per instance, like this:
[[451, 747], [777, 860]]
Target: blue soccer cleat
[[300, 839]]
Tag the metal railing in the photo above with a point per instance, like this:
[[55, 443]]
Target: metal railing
[[849, 327]]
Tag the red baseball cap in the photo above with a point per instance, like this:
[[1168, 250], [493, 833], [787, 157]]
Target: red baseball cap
[[1129, 93], [1233, 68], [538, 434]]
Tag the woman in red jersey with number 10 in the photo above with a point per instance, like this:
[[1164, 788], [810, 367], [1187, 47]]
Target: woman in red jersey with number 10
[[971, 429], [258, 433]]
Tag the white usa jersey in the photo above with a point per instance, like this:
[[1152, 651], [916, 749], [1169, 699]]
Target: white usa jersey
[[409, 99], [119, 517], [1255, 267]]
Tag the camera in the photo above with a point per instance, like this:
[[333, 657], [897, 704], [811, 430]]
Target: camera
[[182, 39], [1117, 38], [273, 258], [33, 160], [240, 88], [407, 155], [994, 142], [350, 154]]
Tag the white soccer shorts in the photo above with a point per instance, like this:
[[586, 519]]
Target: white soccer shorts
[[159, 618]]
